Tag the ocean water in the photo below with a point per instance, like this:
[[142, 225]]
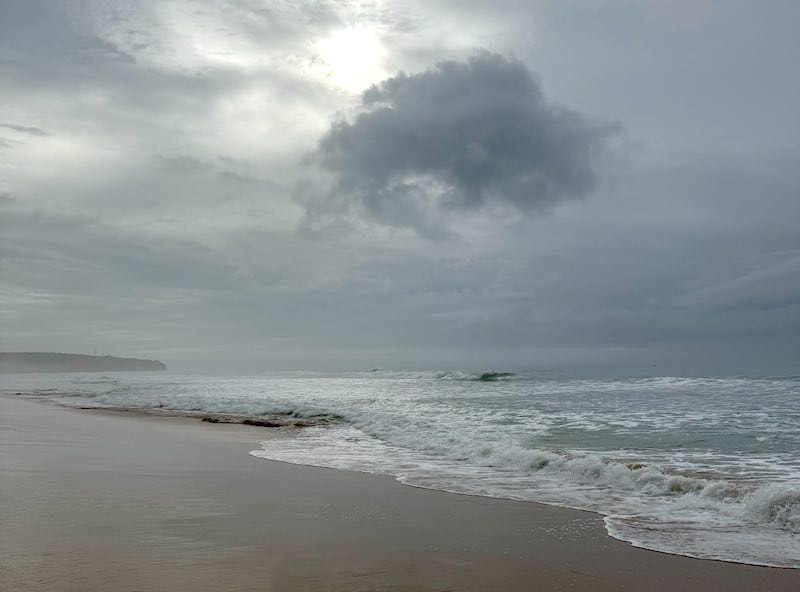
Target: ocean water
[[704, 467]]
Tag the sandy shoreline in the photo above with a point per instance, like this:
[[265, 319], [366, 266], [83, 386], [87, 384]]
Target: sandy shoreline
[[110, 501]]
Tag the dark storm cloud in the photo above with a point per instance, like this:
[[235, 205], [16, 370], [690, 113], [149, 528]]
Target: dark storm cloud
[[23, 129], [457, 136]]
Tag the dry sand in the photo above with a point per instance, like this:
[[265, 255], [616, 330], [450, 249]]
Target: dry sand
[[119, 502]]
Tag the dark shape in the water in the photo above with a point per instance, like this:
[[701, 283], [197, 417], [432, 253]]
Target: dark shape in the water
[[492, 376], [56, 362]]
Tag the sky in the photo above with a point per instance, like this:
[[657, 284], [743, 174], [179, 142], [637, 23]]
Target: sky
[[578, 187]]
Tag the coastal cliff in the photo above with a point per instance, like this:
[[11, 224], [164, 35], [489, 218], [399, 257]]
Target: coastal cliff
[[57, 362]]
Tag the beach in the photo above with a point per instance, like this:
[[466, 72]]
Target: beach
[[104, 500]]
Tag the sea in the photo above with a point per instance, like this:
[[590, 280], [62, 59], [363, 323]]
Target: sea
[[702, 467]]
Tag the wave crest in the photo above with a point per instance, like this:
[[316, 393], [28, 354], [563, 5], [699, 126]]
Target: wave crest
[[490, 376]]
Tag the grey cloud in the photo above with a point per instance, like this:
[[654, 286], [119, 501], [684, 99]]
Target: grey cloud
[[23, 129], [182, 165], [458, 136], [68, 252], [221, 167], [237, 179], [766, 283], [93, 50]]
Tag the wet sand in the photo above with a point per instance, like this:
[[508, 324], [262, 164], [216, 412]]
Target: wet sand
[[118, 501]]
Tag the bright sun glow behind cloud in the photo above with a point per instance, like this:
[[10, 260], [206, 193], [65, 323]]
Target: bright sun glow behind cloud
[[352, 58]]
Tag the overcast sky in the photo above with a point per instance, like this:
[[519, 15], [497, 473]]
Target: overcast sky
[[607, 186]]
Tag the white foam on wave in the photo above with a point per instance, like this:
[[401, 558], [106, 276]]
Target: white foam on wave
[[455, 375], [760, 527]]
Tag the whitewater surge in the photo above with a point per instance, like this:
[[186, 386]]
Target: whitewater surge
[[704, 467]]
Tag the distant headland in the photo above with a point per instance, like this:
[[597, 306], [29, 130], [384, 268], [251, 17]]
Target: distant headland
[[56, 362]]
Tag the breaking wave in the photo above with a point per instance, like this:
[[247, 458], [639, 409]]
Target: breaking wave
[[489, 376]]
